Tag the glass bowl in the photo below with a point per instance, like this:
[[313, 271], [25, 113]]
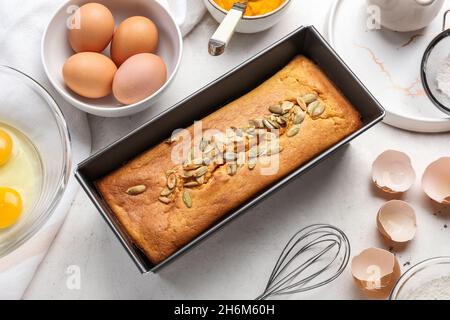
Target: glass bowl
[[29, 108], [428, 280]]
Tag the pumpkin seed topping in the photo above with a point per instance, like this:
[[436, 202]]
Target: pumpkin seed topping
[[276, 109], [166, 192], [136, 190], [172, 181], [164, 200], [315, 109], [187, 199], [309, 98], [293, 131]]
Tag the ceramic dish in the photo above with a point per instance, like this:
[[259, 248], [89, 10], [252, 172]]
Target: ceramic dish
[[389, 64], [428, 280], [18, 94], [56, 49], [250, 24]]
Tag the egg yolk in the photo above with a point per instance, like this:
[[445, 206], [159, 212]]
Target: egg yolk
[[6, 146], [10, 207]]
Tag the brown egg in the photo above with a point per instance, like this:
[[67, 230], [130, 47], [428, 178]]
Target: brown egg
[[134, 35], [89, 74], [139, 77], [92, 28]]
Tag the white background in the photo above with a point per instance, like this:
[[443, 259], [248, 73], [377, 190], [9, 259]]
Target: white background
[[236, 262]]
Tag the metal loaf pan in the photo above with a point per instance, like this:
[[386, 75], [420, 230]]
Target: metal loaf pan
[[237, 82]]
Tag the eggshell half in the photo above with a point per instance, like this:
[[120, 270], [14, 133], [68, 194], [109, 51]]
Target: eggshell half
[[392, 172], [139, 77], [436, 181], [375, 272], [396, 221]]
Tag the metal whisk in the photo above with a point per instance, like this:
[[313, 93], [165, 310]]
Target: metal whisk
[[315, 256]]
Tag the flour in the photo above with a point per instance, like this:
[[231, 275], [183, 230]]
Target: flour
[[438, 289], [443, 77]]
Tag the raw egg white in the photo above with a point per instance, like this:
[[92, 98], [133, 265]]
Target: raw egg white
[[133, 36], [139, 77], [89, 74], [91, 28], [20, 178]]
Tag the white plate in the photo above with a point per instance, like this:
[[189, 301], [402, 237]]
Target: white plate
[[388, 63]]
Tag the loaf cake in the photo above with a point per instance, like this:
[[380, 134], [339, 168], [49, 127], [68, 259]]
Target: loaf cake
[[257, 139]]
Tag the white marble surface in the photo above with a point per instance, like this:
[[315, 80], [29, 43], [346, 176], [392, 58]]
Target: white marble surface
[[236, 262]]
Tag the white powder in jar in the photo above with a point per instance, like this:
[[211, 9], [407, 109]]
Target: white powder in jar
[[438, 289], [443, 77]]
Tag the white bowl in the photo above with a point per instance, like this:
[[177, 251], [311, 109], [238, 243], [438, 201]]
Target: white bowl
[[250, 24], [55, 50]]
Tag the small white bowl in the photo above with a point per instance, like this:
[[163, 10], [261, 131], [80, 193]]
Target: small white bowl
[[250, 24], [55, 50]]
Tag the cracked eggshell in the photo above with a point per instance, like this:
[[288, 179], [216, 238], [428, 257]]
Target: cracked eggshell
[[396, 221], [436, 181], [375, 272], [392, 172]]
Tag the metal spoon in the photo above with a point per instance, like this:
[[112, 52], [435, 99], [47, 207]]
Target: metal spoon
[[224, 32]]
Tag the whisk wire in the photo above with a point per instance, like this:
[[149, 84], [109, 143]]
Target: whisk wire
[[323, 239]]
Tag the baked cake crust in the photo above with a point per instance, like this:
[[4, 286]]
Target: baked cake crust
[[161, 229]]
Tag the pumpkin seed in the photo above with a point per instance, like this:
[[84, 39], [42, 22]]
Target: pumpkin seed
[[257, 123], [252, 164], [293, 131], [275, 150], [299, 117], [253, 152], [286, 106], [285, 118], [230, 156], [309, 98], [136, 190], [250, 131], [166, 192], [207, 161], [302, 104], [232, 168], [203, 144], [164, 200], [191, 166], [268, 124], [191, 184], [315, 109], [171, 181], [276, 109], [270, 136], [187, 199], [281, 121], [201, 171], [262, 150], [241, 159], [188, 174], [239, 133], [169, 172], [201, 180]]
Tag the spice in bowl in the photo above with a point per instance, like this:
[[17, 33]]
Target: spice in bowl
[[254, 7]]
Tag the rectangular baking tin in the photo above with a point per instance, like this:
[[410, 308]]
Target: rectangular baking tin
[[234, 84]]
